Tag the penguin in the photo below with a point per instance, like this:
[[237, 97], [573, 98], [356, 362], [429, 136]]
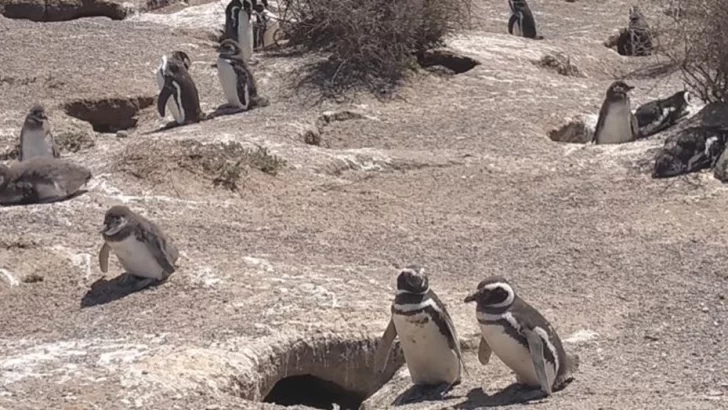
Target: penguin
[[426, 333], [236, 79], [656, 116], [521, 23], [186, 62], [522, 338], [41, 180], [239, 25], [637, 39], [36, 137], [179, 85], [616, 123], [140, 245], [693, 149]]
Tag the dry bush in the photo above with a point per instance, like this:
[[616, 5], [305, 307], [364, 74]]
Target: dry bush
[[369, 42], [225, 164], [699, 44]]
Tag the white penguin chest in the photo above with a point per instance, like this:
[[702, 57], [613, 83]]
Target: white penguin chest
[[245, 34], [617, 126], [228, 81], [136, 258], [35, 144], [426, 350], [513, 354]]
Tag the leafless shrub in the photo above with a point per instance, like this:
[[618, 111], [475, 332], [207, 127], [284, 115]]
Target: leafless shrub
[[698, 42], [369, 42]]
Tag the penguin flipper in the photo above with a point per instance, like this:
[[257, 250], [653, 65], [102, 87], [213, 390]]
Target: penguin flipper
[[104, 257], [158, 249], [484, 352], [164, 95], [600, 123], [385, 347], [635, 127], [535, 347], [512, 23]]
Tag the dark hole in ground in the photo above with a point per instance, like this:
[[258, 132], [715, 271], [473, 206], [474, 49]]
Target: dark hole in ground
[[313, 392], [108, 114], [448, 59]]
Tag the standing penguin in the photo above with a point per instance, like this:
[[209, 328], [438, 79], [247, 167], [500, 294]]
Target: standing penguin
[[522, 338], [182, 57], [658, 115], [637, 39], [616, 122], [142, 248], [179, 85], [36, 138], [521, 23], [426, 333], [236, 79], [239, 25]]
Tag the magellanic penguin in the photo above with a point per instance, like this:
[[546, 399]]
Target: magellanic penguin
[[178, 56], [426, 333], [637, 39], [522, 338], [41, 180], [36, 137], [616, 123], [658, 115], [239, 25], [236, 78], [521, 23], [142, 248], [179, 85]]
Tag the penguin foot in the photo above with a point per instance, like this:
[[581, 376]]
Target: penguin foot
[[525, 394]]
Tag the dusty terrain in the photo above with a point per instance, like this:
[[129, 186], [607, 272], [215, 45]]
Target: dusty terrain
[[293, 273]]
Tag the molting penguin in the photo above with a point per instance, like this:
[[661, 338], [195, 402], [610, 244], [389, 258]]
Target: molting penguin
[[239, 25], [36, 137], [236, 79], [179, 85], [658, 115], [522, 338], [41, 180], [142, 248], [426, 333], [182, 57], [521, 23], [637, 39], [616, 122]]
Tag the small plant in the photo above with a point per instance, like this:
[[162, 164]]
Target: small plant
[[73, 141]]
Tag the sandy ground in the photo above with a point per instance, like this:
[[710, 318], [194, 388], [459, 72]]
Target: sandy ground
[[457, 174]]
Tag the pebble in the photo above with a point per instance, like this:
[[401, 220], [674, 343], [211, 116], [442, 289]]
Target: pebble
[[122, 134]]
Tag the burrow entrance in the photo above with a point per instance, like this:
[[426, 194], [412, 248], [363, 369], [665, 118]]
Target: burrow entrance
[[109, 114], [449, 59], [574, 131], [323, 372]]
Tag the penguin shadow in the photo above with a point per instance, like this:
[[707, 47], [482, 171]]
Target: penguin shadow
[[105, 291], [515, 393], [224, 109], [420, 393], [47, 201], [166, 127]]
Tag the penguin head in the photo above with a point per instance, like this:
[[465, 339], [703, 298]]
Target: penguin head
[[412, 279], [115, 220], [37, 111], [248, 7], [618, 89], [229, 48], [494, 291], [183, 57], [686, 97]]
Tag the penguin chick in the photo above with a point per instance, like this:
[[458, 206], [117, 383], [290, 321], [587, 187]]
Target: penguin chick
[[141, 247], [36, 137], [656, 116], [616, 123], [41, 180], [522, 338], [236, 78], [426, 333]]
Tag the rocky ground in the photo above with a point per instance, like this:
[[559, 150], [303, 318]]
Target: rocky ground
[[292, 272]]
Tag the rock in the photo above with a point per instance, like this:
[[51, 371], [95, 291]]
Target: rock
[[62, 10]]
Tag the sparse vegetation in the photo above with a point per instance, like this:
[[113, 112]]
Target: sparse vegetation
[[560, 63], [224, 164], [73, 141], [699, 45], [369, 42]]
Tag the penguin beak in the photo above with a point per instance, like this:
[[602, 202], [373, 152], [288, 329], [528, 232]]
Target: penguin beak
[[103, 228], [472, 297]]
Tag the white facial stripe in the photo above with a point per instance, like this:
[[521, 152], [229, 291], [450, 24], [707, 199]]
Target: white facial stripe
[[507, 316], [402, 292], [507, 288], [417, 306], [545, 336], [709, 143]]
